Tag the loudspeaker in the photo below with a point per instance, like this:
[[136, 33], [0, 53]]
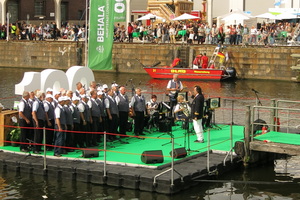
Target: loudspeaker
[[90, 153], [259, 125], [179, 153], [150, 157]]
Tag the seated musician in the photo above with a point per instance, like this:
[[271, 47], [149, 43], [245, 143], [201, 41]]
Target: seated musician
[[182, 111], [152, 110]]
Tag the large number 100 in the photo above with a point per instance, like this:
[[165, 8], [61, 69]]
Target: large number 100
[[55, 79]]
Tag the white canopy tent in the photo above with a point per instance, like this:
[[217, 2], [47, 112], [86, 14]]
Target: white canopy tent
[[150, 16], [185, 16]]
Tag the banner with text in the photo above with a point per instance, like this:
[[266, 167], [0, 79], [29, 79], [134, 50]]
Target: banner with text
[[101, 31], [120, 11]]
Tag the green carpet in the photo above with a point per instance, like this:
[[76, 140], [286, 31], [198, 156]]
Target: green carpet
[[131, 153], [285, 138]]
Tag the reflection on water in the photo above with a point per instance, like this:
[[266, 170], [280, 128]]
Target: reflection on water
[[268, 182]]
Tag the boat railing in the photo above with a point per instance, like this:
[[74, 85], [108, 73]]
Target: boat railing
[[289, 116]]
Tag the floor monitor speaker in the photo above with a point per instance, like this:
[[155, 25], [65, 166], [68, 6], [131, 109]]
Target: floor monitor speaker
[[90, 153], [150, 157], [179, 153]]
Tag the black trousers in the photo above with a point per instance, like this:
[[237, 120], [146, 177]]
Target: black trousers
[[76, 135], [69, 136], [38, 134], [82, 135], [138, 122], [113, 126], [95, 127], [25, 134], [50, 133], [123, 119]]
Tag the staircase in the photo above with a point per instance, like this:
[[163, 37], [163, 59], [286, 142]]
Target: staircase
[[169, 9]]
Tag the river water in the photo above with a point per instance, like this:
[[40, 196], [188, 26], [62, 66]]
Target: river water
[[278, 180]]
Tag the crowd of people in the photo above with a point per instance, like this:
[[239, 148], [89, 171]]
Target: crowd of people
[[172, 32], [79, 119], [43, 31], [203, 33]]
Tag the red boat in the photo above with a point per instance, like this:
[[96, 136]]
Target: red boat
[[192, 74]]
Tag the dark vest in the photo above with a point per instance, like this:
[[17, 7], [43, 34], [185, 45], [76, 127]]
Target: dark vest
[[101, 106], [63, 120], [27, 109], [113, 107], [86, 112], [76, 114], [50, 111], [123, 103], [95, 108], [69, 116], [40, 113], [139, 104]]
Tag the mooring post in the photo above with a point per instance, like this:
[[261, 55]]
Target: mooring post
[[247, 135], [45, 159], [273, 114]]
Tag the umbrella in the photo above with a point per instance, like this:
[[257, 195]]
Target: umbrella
[[286, 16], [267, 15], [235, 15], [185, 16], [149, 16]]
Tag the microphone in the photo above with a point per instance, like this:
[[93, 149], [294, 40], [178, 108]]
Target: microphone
[[254, 91]]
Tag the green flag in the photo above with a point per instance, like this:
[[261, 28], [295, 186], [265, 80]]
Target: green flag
[[120, 11], [101, 32]]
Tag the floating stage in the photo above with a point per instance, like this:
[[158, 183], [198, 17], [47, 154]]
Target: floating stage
[[124, 165]]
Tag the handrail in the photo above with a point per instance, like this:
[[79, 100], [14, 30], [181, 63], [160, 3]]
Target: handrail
[[272, 117]]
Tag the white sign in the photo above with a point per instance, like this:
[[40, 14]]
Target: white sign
[[55, 79]]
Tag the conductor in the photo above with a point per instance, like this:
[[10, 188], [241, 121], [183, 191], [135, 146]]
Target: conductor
[[197, 113]]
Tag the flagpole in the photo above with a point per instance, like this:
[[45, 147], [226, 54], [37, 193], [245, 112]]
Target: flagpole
[[86, 32]]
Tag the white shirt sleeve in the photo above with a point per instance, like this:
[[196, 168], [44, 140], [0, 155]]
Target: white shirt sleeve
[[89, 103], [176, 108], [35, 106], [21, 106], [57, 112], [106, 102], [181, 86], [81, 107], [132, 102], [46, 107], [117, 99], [169, 84]]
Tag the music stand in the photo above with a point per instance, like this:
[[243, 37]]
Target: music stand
[[214, 103], [168, 131]]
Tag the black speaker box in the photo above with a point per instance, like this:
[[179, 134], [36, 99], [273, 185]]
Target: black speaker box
[[179, 153], [150, 157], [90, 153]]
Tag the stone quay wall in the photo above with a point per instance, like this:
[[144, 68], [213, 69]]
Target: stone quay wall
[[251, 62]]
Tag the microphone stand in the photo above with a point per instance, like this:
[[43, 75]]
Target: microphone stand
[[258, 102]]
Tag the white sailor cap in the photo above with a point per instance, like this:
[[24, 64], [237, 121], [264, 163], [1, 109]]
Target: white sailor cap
[[104, 86], [56, 92], [62, 98], [75, 98], [49, 96], [99, 93], [99, 88], [114, 85], [83, 96], [49, 90]]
